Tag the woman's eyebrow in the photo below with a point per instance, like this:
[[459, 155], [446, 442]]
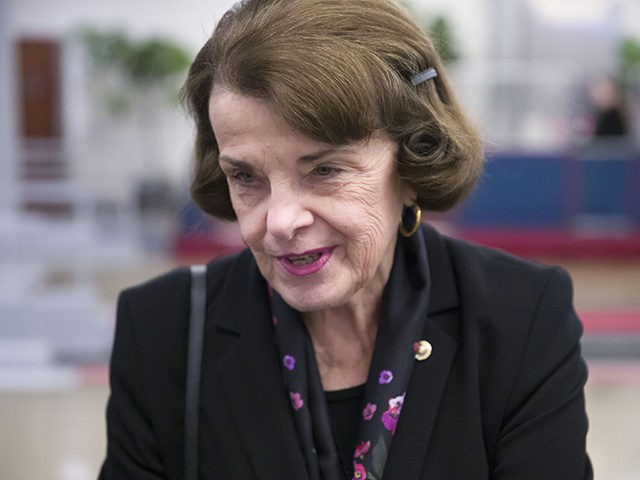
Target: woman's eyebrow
[[308, 158], [312, 157], [232, 162]]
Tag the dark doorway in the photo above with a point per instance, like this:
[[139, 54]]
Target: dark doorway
[[43, 167]]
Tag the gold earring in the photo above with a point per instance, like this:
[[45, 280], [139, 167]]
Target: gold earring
[[418, 216]]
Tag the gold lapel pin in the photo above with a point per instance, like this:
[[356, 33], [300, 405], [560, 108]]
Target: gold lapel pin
[[423, 350]]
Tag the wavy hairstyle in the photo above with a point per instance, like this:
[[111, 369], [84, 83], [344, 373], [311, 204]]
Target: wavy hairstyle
[[337, 71]]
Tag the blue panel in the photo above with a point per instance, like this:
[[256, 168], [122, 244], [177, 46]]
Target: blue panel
[[519, 191], [603, 189]]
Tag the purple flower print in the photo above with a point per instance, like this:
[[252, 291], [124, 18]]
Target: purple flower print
[[359, 473], [296, 400], [289, 362], [274, 319], [390, 421], [368, 411], [386, 376], [390, 417], [362, 449]]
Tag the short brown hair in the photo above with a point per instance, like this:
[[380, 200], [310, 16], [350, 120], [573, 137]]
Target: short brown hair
[[337, 71]]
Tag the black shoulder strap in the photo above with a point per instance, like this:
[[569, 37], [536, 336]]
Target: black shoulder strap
[[194, 360]]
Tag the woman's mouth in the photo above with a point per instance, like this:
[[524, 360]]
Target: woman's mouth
[[306, 263], [305, 259]]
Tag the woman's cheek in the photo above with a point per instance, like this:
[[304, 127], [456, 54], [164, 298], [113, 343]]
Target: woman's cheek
[[252, 226]]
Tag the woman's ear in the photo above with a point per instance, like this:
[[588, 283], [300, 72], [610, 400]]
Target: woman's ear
[[408, 193]]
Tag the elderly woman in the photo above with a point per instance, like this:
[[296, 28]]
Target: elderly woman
[[349, 340]]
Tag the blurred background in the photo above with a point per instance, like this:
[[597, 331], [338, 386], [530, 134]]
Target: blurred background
[[94, 166]]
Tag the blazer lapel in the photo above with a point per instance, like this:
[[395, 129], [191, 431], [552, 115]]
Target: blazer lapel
[[250, 378], [419, 412], [429, 377]]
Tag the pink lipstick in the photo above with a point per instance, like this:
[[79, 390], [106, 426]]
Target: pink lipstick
[[305, 263]]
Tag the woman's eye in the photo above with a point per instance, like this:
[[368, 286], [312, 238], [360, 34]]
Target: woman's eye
[[324, 170], [243, 178]]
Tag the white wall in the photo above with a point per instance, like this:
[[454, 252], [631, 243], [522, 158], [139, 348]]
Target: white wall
[[193, 20], [189, 21], [470, 19]]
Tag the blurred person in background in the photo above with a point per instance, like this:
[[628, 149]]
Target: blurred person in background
[[349, 340], [610, 118]]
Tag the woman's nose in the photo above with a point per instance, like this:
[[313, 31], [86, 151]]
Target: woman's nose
[[287, 214]]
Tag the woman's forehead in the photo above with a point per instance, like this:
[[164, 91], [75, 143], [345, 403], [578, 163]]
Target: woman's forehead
[[236, 117]]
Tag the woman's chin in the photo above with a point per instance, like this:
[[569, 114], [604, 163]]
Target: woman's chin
[[314, 299], [306, 302]]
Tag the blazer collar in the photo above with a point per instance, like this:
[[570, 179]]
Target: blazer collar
[[250, 370], [249, 373], [444, 291], [424, 394], [429, 377]]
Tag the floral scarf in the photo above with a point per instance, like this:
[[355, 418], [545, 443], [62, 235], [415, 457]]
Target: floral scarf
[[404, 311]]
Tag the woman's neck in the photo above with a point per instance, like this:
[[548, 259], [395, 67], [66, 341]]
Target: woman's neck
[[343, 339]]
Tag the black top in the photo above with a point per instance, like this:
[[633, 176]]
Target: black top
[[345, 412]]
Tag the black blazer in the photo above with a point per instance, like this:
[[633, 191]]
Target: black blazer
[[501, 397]]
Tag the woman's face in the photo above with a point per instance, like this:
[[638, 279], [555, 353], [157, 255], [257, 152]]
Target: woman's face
[[320, 219]]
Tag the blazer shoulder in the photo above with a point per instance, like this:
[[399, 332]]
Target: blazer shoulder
[[159, 286], [480, 266], [167, 296], [500, 289], [510, 296], [178, 279]]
